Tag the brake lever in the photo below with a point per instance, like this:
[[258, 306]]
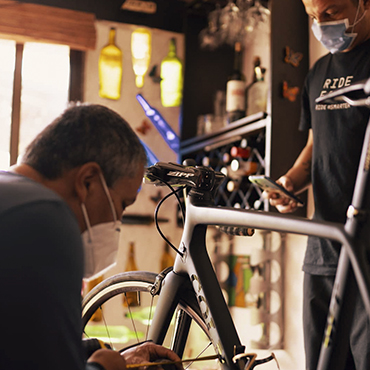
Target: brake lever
[[163, 172]]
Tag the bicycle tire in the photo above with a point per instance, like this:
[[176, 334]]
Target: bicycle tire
[[143, 281]]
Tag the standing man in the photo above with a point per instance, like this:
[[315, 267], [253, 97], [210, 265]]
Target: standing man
[[77, 176], [329, 161]]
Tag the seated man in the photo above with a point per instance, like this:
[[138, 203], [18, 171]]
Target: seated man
[[77, 176]]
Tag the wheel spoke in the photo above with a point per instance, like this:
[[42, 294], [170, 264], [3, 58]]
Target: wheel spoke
[[123, 324]]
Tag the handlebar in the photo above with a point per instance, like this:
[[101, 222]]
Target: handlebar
[[196, 177], [350, 95], [203, 182]]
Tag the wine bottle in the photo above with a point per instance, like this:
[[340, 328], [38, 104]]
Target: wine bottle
[[242, 168], [131, 299], [166, 259], [239, 152], [211, 161], [110, 69], [235, 89], [171, 78]]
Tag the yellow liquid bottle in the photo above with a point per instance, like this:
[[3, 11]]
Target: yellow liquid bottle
[[98, 315], [141, 49], [166, 259], [131, 299], [171, 78], [110, 69]]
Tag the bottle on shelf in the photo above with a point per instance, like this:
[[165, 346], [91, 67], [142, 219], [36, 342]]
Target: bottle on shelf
[[235, 89], [90, 284], [257, 92], [219, 110], [110, 69], [131, 299], [238, 184], [166, 259], [227, 158], [243, 282], [232, 185], [171, 78], [239, 167], [239, 152], [239, 280], [209, 161]]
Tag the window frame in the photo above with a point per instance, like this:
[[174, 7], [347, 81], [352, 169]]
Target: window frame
[[76, 85]]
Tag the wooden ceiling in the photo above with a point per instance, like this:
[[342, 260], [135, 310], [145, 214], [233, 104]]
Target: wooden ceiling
[[203, 7]]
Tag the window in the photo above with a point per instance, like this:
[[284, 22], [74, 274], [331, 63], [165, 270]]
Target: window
[[34, 89]]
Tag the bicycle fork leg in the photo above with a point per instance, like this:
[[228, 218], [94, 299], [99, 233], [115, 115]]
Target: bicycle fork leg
[[180, 335], [166, 305], [335, 344]]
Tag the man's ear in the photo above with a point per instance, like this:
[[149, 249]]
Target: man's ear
[[85, 176]]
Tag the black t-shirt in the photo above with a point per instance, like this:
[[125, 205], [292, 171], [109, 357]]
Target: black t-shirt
[[41, 269], [338, 131]]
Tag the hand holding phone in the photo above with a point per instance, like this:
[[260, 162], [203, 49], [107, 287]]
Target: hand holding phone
[[266, 183]]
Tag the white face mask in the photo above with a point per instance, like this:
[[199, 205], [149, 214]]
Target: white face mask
[[100, 241]]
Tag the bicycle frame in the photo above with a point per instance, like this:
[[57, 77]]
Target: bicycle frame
[[196, 266]]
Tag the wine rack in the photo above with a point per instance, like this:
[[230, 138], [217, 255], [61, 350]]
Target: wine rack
[[251, 134]]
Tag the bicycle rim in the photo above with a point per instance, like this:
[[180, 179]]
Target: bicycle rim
[[122, 326]]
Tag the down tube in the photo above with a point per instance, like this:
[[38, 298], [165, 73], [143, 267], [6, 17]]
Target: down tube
[[210, 295]]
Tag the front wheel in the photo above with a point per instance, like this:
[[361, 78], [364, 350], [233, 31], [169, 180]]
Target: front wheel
[[127, 304]]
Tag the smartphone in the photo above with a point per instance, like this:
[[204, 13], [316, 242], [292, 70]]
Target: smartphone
[[266, 183]]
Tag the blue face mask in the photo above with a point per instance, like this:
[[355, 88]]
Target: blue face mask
[[333, 35]]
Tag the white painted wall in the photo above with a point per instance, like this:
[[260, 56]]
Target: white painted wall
[[148, 242]]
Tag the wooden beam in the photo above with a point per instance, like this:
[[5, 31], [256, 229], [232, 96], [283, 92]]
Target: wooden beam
[[76, 80], [26, 22], [16, 105]]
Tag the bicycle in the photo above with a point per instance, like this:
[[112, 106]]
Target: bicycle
[[191, 287]]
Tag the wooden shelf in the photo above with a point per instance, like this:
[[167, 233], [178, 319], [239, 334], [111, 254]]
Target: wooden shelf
[[225, 135]]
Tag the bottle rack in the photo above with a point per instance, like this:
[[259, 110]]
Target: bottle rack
[[210, 150], [254, 288]]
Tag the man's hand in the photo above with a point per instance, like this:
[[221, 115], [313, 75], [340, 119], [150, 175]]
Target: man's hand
[[283, 204], [150, 352], [109, 359], [143, 353]]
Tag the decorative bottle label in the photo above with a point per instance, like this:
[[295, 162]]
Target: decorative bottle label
[[235, 96]]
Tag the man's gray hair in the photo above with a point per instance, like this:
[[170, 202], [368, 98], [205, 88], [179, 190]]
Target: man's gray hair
[[87, 133]]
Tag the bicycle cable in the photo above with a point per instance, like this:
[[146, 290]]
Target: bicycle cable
[[173, 192]]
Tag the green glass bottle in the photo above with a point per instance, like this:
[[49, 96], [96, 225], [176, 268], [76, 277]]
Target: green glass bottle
[[171, 78]]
